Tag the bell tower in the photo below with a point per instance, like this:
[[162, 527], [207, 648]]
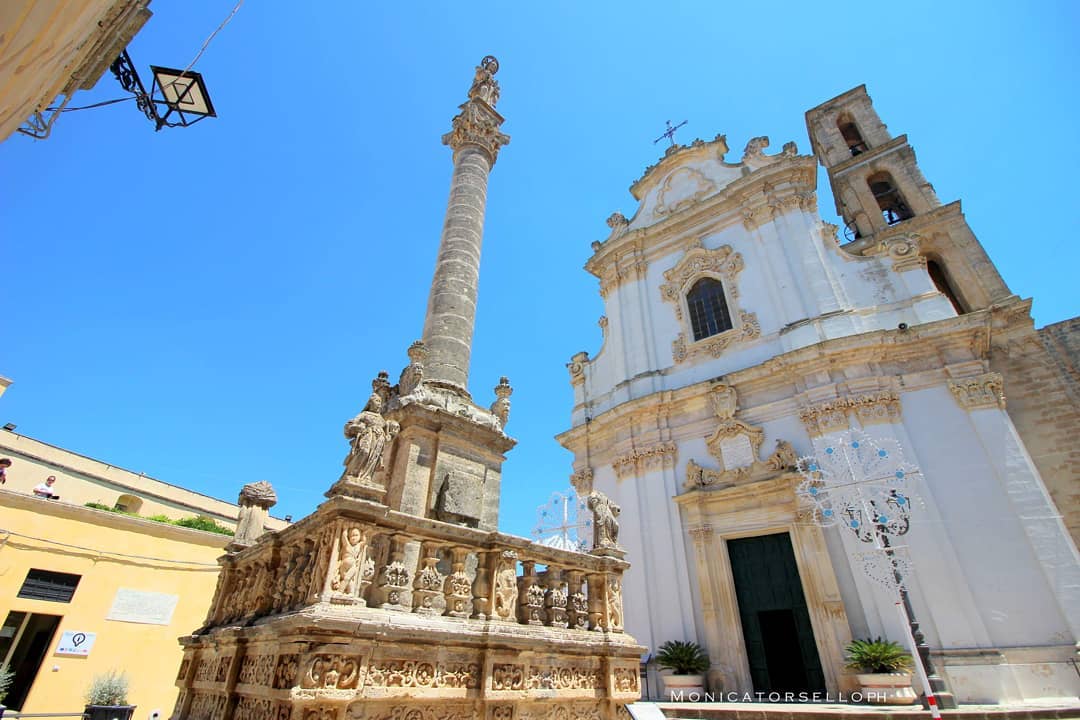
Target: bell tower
[[881, 194]]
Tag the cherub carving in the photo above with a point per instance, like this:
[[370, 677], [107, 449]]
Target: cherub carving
[[350, 562]]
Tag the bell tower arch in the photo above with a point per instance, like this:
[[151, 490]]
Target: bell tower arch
[[881, 193]]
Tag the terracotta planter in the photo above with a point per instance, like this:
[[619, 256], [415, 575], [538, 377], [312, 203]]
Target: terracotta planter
[[109, 712], [887, 688], [686, 688]]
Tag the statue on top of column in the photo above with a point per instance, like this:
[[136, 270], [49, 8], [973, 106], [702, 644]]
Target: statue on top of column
[[485, 87]]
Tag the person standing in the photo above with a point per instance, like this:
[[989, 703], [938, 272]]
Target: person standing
[[5, 463], [44, 490]]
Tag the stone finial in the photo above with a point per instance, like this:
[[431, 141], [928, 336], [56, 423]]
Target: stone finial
[[413, 374], [477, 124], [255, 501], [501, 407], [259, 493]]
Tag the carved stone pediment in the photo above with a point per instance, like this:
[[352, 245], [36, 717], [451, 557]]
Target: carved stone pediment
[[736, 446]]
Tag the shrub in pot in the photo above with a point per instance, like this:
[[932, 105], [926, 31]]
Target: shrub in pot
[[106, 698], [883, 668], [687, 661], [7, 676]]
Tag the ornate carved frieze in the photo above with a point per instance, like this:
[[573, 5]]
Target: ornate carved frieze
[[981, 391], [723, 264], [256, 670], [646, 459], [422, 674], [365, 710], [832, 415]]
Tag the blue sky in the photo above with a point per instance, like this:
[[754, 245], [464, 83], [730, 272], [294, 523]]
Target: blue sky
[[208, 305]]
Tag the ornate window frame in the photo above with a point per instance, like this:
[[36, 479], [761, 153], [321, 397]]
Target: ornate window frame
[[723, 264]]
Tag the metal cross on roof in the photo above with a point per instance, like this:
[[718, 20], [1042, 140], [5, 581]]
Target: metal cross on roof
[[669, 133]]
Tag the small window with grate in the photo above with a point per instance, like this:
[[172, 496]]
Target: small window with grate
[[49, 585], [708, 308]]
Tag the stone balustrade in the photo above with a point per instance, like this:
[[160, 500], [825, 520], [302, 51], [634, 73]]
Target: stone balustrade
[[359, 555]]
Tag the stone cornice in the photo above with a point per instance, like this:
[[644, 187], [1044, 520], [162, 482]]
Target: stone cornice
[[879, 241], [116, 521], [869, 156], [927, 347]]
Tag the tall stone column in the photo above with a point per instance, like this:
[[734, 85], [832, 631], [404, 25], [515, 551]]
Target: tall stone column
[[451, 311]]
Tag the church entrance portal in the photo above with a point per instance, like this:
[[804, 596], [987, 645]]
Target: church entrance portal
[[776, 627]]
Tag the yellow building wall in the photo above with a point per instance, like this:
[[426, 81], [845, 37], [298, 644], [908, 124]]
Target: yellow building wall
[[81, 479], [37, 533]]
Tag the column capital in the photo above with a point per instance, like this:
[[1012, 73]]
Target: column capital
[[477, 125]]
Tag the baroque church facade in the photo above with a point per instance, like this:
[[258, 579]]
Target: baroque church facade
[[741, 332]]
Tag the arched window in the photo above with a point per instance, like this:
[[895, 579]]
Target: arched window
[[708, 308], [128, 503], [889, 199], [851, 135], [941, 282]]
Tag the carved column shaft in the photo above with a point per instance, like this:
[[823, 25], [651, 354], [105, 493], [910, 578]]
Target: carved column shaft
[[451, 311]]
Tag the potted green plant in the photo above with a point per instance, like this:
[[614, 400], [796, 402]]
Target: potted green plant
[[7, 676], [686, 661], [883, 671], [106, 698]]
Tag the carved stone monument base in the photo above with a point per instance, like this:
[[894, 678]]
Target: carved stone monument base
[[361, 611]]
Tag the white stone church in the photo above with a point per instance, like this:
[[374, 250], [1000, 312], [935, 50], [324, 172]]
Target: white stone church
[[742, 331]]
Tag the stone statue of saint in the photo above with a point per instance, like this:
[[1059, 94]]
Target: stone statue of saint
[[605, 526], [484, 86], [369, 433]]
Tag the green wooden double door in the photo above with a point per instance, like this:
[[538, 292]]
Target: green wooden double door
[[776, 625]]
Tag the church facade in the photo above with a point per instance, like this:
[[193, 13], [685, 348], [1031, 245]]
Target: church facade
[[742, 332]]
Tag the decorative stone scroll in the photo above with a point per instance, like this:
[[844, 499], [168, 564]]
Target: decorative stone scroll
[[737, 447], [832, 416], [723, 264], [576, 366], [979, 391], [636, 461], [903, 250]]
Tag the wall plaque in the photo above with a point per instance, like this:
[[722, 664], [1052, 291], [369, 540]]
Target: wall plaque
[[142, 606]]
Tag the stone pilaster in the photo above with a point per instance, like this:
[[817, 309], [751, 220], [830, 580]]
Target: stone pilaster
[[451, 311]]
